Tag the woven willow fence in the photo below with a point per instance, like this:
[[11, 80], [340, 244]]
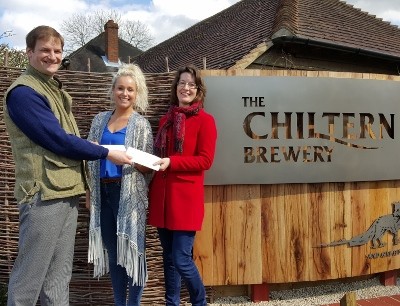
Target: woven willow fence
[[90, 96]]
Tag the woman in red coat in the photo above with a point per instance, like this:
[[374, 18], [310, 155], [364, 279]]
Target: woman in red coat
[[185, 142]]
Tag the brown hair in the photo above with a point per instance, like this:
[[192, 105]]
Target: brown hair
[[42, 32], [201, 88]]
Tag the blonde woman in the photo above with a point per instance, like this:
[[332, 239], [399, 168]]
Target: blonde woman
[[118, 197]]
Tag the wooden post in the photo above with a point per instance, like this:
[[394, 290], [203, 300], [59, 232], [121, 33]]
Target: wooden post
[[204, 63], [88, 64], [6, 59], [388, 278], [349, 299], [166, 62], [259, 293], [9, 257]]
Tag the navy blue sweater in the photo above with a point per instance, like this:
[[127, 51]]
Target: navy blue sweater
[[32, 114]]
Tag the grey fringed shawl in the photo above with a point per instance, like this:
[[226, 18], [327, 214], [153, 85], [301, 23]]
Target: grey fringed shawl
[[131, 220]]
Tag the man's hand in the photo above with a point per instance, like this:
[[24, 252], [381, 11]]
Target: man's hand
[[119, 157]]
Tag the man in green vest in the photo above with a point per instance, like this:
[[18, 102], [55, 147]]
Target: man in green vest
[[49, 173]]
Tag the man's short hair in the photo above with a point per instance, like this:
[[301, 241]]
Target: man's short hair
[[42, 32]]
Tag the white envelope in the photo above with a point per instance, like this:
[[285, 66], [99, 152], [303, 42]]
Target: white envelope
[[143, 158]]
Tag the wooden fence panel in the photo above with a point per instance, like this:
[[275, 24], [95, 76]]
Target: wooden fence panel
[[394, 261], [379, 192], [299, 248], [249, 234], [221, 201], [271, 199], [318, 197], [204, 241], [341, 228], [360, 217]]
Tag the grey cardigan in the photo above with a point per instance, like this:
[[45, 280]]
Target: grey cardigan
[[131, 227]]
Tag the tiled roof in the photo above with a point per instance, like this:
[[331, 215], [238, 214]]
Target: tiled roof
[[334, 21], [94, 50], [228, 36]]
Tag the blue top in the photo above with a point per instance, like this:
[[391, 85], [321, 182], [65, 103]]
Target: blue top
[[32, 114], [107, 168]]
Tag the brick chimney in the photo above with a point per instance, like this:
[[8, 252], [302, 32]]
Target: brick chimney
[[111, 36]]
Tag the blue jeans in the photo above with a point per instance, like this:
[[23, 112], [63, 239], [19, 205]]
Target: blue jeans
[[179, 265], [110, 194]]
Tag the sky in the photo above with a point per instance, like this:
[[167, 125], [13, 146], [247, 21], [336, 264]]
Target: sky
[[164, 18]]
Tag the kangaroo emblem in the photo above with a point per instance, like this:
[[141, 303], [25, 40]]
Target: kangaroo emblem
[[386, 223]]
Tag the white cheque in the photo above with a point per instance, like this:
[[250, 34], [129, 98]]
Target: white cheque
[[143, 158], [115, 147]]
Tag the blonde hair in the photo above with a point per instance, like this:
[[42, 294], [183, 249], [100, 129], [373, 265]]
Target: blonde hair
[[134, 71]]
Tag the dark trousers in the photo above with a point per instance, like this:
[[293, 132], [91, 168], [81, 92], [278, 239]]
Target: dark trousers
[[179, 265], [110, 195]]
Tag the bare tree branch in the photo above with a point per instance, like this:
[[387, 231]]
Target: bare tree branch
[[77, 31], [100, 18], [80, 28], [6, 33], [137, 34]]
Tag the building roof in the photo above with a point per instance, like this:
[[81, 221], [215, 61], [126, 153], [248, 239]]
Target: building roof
[[249, 27], [95, 51]]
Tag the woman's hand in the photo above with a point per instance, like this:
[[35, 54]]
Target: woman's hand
[[163, 162]]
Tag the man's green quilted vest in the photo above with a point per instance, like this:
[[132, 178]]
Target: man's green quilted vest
[[37, 169]]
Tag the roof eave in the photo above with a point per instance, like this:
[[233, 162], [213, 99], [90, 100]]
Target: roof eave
[[285, 36]]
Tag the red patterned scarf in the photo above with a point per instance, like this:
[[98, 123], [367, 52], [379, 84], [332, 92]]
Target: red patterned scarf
[[176, 117]]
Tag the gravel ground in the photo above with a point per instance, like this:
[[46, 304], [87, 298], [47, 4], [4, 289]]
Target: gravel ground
[[317, 295]]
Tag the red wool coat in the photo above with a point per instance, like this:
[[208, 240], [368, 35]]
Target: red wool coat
[[176, 197]]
